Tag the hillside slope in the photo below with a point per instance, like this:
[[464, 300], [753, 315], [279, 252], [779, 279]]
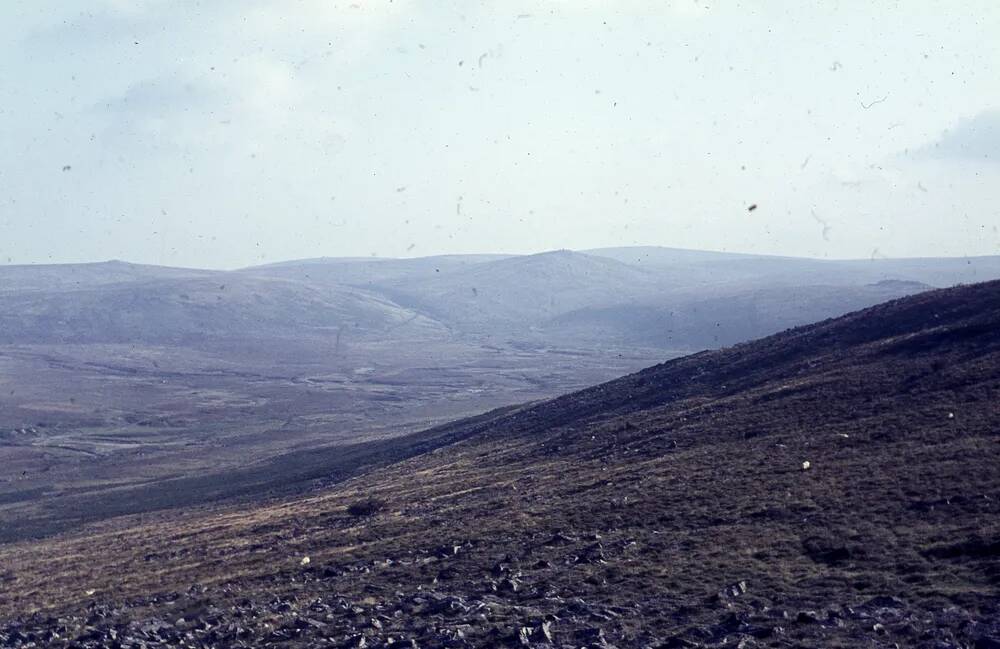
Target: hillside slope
[[661, 298], [703, 320], [736, 270], [368, 272], [670, 508], [519, 292], [75, 276], [190, 309]]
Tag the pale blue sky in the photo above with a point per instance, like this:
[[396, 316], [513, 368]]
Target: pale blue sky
[[228, 133]]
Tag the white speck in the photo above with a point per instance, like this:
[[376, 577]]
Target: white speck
[[806, 465], [305, 561]]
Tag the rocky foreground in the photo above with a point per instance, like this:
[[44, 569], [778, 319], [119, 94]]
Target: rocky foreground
[[832, 486], [517, 611]]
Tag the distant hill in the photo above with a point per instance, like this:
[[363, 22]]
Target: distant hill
[[696, 267], [694, 320], [522, 291], [659, 298], [368, 272], [656, 256], [72, 276], [189, 309]]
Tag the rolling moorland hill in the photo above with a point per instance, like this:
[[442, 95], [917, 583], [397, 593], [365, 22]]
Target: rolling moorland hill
[[127, 388], [834, 485], [707, 321], [519, 292], [190, 310], [70, 276], [525, 299], [690, 299], [734, 270], [369, 272]]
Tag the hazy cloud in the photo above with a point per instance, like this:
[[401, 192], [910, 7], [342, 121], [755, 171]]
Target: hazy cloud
[[160, 98], [285, 129], [976, 139]]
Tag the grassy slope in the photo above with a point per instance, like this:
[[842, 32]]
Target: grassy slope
[[668, 485]]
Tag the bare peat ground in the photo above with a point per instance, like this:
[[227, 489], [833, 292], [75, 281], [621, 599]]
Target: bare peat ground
[[670, 508]]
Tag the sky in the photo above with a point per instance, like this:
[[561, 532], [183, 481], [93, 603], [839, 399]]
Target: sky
[[227, 133]]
